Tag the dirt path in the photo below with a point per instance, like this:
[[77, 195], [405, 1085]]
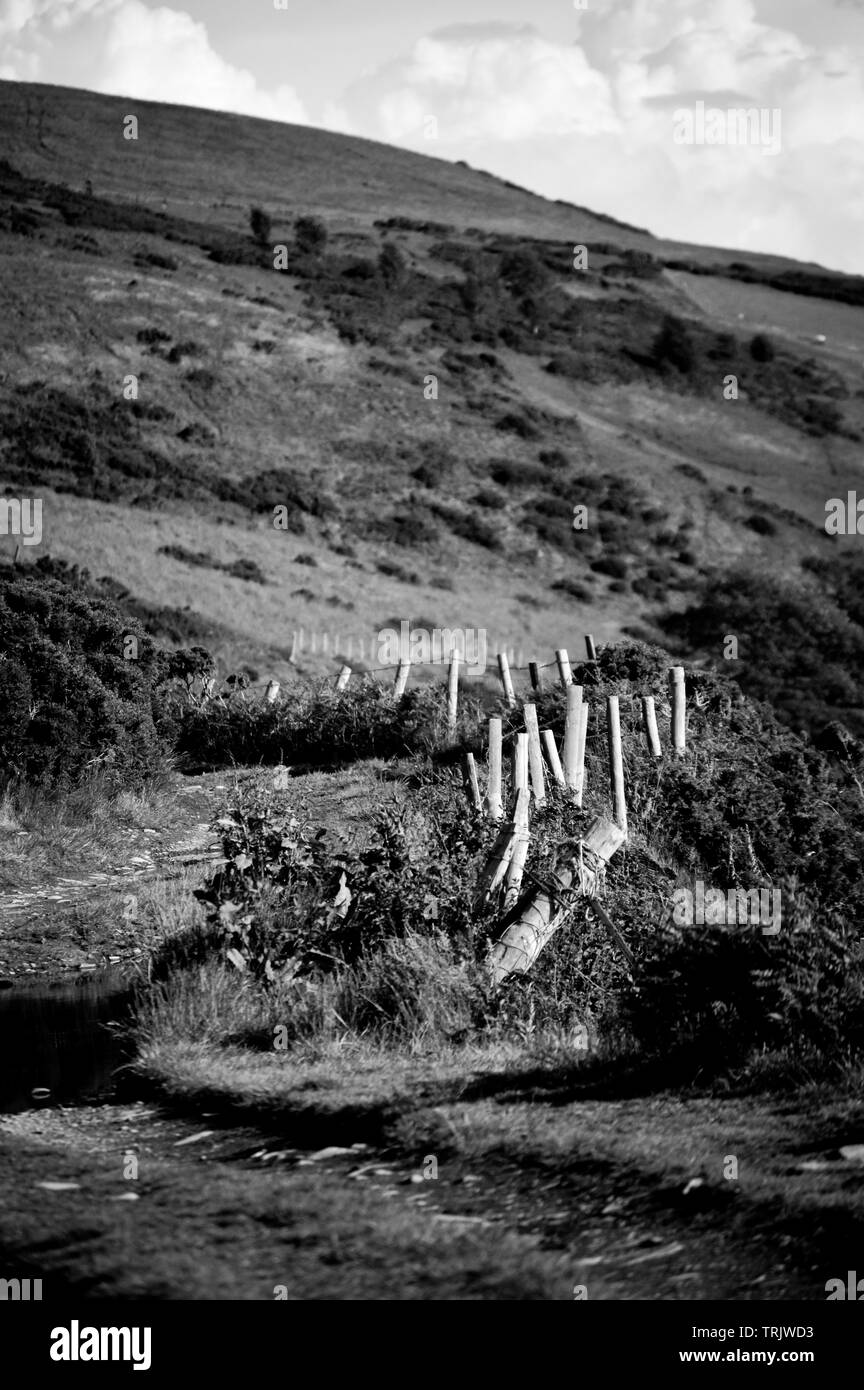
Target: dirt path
[[100, 1192]]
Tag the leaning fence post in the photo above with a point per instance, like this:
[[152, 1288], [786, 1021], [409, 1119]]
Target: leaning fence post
[[494, 803], [552, 756], [536, 678], [472, 784], [649, 717], [401, 678], [590, 648], [453, 692], [564, 672], [506, 680], [343, 678], [616, 761], [535, 756], [679, 709], [543, 911], [516, 867], [571, 734]]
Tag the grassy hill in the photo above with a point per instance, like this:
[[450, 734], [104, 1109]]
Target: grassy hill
[[308, 387]]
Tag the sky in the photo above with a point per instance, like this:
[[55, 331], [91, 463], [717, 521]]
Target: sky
[[595, 102]]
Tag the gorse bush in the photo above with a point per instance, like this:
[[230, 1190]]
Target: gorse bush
[[79, 685]]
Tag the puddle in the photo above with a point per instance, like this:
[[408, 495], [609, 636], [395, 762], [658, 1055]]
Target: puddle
[[53, 1037]]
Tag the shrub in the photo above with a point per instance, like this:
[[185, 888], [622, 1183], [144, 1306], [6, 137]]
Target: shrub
[[310, 236], [260, 226], [77, 685], [392, 266], [674, 345], [524, 273], [761, 348]]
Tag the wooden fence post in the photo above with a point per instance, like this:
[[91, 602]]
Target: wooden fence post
[[552, 756], [506, 680], [494, 802], [590, 648], [535, 756], [495, 868], [520, 764], [649, 717], [536, 677], [616, 761], [343, 678], [564, 672], [401, 679], [521, 841], [453, 692], [546, 908], [472, 784], [571, 734], [580, 754], [271, 694], [679, 709]]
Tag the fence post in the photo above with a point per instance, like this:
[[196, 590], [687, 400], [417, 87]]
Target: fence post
[[616, 762], [343, 678], [552, 756], [472, 784], [520, 764], [535, 756], [649, 716], [453, 692], [506, 680], [272, 692], [516, 867], [401, 678], [679, 709], [536, 678], [564, 672], [571, 734], [580, 754], [494, 803], [590, 648]]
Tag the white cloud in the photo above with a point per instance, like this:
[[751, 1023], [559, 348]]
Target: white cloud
[[592, 121], [124, 47]]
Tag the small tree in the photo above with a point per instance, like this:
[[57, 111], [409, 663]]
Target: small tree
[[310, 236], [259, 222]]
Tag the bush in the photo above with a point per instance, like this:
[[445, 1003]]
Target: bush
[[761, 348], [78, 684], [260, 226], [392, 266], [673, 345], [310, 236]]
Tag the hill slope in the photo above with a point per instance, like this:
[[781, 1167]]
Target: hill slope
[[309, 388]]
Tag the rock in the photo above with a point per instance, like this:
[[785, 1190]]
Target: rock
[[334, 1151], [194, 1138], [59, 1186], [853, 1153]]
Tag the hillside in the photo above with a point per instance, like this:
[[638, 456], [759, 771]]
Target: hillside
[[306, 388]]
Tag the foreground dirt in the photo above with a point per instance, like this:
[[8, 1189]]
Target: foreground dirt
[[544, 1201]]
